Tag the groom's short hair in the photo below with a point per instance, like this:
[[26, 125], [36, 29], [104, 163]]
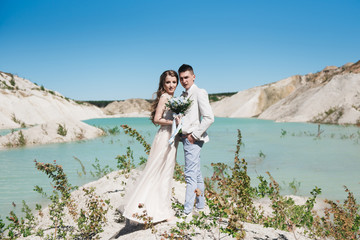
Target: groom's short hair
[[185, 67]]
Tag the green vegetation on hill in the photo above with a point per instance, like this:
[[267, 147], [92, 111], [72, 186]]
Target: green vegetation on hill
[[104, 103], [101, 104], [213, 97]]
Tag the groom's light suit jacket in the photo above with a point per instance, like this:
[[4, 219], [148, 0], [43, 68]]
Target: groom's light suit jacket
[[200, 115]]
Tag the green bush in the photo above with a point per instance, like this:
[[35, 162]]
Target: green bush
[[62, 130]]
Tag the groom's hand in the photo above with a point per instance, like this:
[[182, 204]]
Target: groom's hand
[[191, 139]]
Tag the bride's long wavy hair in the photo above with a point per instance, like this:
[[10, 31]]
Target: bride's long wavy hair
[[161, 90]]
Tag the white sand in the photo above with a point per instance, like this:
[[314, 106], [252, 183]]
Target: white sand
[[300, 98], [48, 133], [112, 187], [342, 91], [31, 105], [23, 103], [41, 111]]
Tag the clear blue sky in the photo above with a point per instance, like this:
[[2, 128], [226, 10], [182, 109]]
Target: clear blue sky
[[117, 49]]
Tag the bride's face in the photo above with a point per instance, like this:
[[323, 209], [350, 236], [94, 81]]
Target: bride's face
[[170, 84]]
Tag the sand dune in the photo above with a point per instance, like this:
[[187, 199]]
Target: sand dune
[[329, 96], [41, 111]]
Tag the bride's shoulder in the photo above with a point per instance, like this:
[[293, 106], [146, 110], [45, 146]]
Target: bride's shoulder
[[165, 95]]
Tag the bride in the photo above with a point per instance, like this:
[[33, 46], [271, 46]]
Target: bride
[[151, 191]]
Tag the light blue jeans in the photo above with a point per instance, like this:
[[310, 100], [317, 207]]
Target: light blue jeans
[[193, 176]]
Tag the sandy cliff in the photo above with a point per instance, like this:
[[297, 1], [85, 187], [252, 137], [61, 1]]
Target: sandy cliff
[[329, 96], [254, 101], [129, 107], [24, 104]]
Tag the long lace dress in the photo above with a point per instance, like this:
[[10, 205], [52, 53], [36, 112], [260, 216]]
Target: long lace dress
[[151, 190]]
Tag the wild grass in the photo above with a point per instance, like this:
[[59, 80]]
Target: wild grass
[[16, 120], [12, 81], [321, 134], [20, 140], [114, 131], [330, 116], [100, 171], [214, 97]]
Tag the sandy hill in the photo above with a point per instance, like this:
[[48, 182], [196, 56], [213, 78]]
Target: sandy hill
[[41, 111], [329, 96], [128, 107]]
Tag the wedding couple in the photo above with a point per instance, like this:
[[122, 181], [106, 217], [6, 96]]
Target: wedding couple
[[151, 191]]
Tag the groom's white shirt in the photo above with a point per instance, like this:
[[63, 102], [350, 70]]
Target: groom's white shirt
[[200, 115]]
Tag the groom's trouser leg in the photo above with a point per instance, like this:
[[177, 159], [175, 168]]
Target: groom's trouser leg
[[193, 176]]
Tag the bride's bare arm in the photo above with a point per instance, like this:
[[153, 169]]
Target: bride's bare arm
[[158, 118]]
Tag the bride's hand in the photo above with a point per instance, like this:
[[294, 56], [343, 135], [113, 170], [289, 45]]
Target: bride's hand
[[177, 119]]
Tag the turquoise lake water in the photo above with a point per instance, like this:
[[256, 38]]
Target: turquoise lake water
[[292, 154]]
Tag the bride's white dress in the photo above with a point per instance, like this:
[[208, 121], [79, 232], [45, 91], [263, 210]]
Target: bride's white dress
[[152, 187]]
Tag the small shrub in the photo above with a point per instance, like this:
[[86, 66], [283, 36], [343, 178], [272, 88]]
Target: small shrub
[[89, 220], [14, 119], [261, 155], [114, 131], [179, 173], [99, 171], [294, 186], [18, 227], [93, 217], [21, 139], [213, 98], [60, 198], [126, 162], [2, 228], [12, 82], [62, 130], [286, 214], [330, 116], [341, 221], [5, 86], [80, 135]]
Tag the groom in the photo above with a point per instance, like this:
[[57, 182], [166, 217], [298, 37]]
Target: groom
[[196, 121]]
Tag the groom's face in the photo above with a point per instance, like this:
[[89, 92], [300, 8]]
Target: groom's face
[[187, 79]]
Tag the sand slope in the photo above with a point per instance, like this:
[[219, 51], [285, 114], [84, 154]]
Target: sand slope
[[24, 104], [128, 108], [329, 96], [29, 104]]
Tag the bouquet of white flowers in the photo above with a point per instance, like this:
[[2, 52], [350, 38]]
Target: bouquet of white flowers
[[179, 106]]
